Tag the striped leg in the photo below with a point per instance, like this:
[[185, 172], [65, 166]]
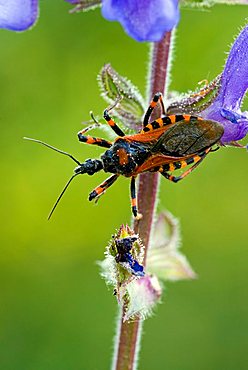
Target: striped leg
[[158, 97], [99, 190], [112, 123], [196, 160], [137, 215], [93, 140]]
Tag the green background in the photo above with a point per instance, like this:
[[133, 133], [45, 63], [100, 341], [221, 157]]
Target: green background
[[55, 311]]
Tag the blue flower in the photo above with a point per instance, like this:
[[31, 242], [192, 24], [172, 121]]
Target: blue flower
[[226, 107], [144, 20], [18, 15]]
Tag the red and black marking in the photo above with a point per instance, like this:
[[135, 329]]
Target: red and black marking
[[158, 98], [169, 120], [112, 123], [133, 197], [164, 145], [93, 140], [100, 189], [195, 160]]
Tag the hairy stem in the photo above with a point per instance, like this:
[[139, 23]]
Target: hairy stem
[[128, 335]]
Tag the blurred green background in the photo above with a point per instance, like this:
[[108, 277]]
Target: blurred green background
[[55, 311]]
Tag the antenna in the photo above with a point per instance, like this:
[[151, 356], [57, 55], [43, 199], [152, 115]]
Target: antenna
[[53, 148], [70, 180], [61, 194]]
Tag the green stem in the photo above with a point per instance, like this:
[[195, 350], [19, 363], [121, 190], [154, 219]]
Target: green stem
[[128, 333]]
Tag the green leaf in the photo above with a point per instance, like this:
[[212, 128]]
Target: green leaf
[[125, 98]]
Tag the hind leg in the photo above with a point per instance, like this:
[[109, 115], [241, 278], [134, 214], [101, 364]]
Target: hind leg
[[196, 160]]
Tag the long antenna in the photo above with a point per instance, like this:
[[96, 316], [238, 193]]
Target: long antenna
[[53, 148], [61, 194]]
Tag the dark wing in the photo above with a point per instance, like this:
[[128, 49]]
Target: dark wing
[[187, 137]]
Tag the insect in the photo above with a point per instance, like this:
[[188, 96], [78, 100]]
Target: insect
[[164, 145]]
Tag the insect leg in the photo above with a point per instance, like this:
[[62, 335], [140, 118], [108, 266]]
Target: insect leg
[[196, 160], [93, 140], [99, 190], [112, 123], [158, 97], [91, 127], [96, 124], [137, 215]]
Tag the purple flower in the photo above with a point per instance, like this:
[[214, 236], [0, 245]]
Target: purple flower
[[233, 85], [144, 20], [18, 15]]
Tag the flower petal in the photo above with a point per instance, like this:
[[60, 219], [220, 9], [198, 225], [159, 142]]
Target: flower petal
[[235, 75], [169, 265], [166, 232], [18, 15], [163, 258], [234, 84], [143, 295], [144, 20]]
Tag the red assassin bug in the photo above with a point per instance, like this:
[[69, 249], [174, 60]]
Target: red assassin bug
[[170, 142]]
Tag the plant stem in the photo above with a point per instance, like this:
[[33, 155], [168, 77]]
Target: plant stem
[[148, 182], [128, 336]]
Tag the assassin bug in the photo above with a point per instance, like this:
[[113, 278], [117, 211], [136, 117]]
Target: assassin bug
[[164, 145]]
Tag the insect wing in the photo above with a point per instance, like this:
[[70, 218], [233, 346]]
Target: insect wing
[[188, 137], [148, 137]]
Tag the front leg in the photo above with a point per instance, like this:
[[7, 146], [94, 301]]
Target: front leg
[[112, 123], [93, 140]]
